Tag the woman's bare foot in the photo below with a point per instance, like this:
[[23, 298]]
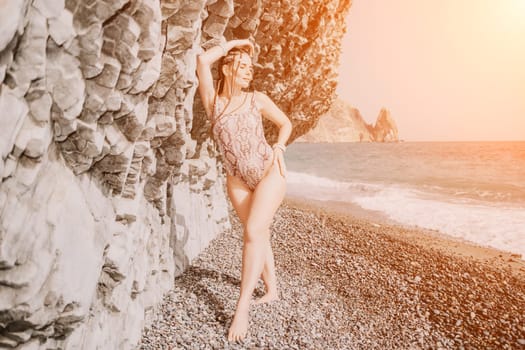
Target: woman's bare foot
[[239, 326], [267, 298]]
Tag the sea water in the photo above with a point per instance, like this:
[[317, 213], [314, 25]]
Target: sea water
[[471, 190]]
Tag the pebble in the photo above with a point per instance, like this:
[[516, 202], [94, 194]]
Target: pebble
[[343, 285]]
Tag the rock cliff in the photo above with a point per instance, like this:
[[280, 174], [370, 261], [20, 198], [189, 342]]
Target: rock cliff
[[385, 129], [110, 183], [344, 123]]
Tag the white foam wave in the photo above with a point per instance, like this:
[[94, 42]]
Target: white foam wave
[[308, 183], [489, 224], [498, 227]]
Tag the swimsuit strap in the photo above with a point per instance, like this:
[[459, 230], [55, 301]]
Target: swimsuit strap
[[216, 112], [253, 99], [226, 114]]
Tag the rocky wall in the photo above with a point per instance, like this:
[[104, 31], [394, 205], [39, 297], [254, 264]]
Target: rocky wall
[[110, 182]]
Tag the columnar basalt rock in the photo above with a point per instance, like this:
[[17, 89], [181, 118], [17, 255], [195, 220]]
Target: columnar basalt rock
[[110, 181], [300, 46]]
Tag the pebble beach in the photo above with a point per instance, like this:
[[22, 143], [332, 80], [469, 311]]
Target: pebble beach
[[349, 283]]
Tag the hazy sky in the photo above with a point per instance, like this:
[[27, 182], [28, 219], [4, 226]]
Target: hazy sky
[[447, 70]]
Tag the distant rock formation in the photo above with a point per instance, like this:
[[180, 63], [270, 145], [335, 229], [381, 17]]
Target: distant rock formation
[[385, 129], [344, 123]]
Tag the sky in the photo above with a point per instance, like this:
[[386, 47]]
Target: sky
[[448, 70]]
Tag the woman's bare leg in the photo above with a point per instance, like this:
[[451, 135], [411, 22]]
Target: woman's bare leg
[[269, 278], [241, 197], [266, 199]]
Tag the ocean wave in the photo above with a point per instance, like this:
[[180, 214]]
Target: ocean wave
[[499, 227], [296, 178], [484, 222]]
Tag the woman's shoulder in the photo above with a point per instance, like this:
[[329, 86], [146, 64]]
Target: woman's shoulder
[[261, 98], [259, 94]]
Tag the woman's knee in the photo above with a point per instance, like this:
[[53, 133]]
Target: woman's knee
[[255, 232]]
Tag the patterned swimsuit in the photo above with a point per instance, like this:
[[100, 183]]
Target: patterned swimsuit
[[241, 142]]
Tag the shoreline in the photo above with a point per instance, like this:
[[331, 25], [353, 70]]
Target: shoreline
[[426, 238]]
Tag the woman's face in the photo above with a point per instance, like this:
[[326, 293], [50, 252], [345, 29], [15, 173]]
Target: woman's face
[[244, 66]]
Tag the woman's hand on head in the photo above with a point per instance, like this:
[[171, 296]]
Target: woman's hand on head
[[244, 43], [278, 159]]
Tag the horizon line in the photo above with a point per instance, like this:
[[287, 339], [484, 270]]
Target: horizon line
[[404, 140]]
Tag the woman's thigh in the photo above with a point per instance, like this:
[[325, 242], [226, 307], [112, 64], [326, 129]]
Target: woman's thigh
[[266, 199], [240, 195]]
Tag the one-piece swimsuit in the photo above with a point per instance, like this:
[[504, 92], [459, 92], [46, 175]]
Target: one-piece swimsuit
[[241, 141]]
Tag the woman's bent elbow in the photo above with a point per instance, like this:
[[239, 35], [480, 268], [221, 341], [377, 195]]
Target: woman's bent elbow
[[201, 61]]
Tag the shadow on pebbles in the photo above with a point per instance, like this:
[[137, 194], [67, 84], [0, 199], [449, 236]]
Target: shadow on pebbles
[[344, 284]]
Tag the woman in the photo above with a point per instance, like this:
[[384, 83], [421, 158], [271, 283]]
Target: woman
[[255, 171]]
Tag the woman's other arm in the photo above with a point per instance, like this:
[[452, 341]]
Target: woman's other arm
[[270, 111]]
